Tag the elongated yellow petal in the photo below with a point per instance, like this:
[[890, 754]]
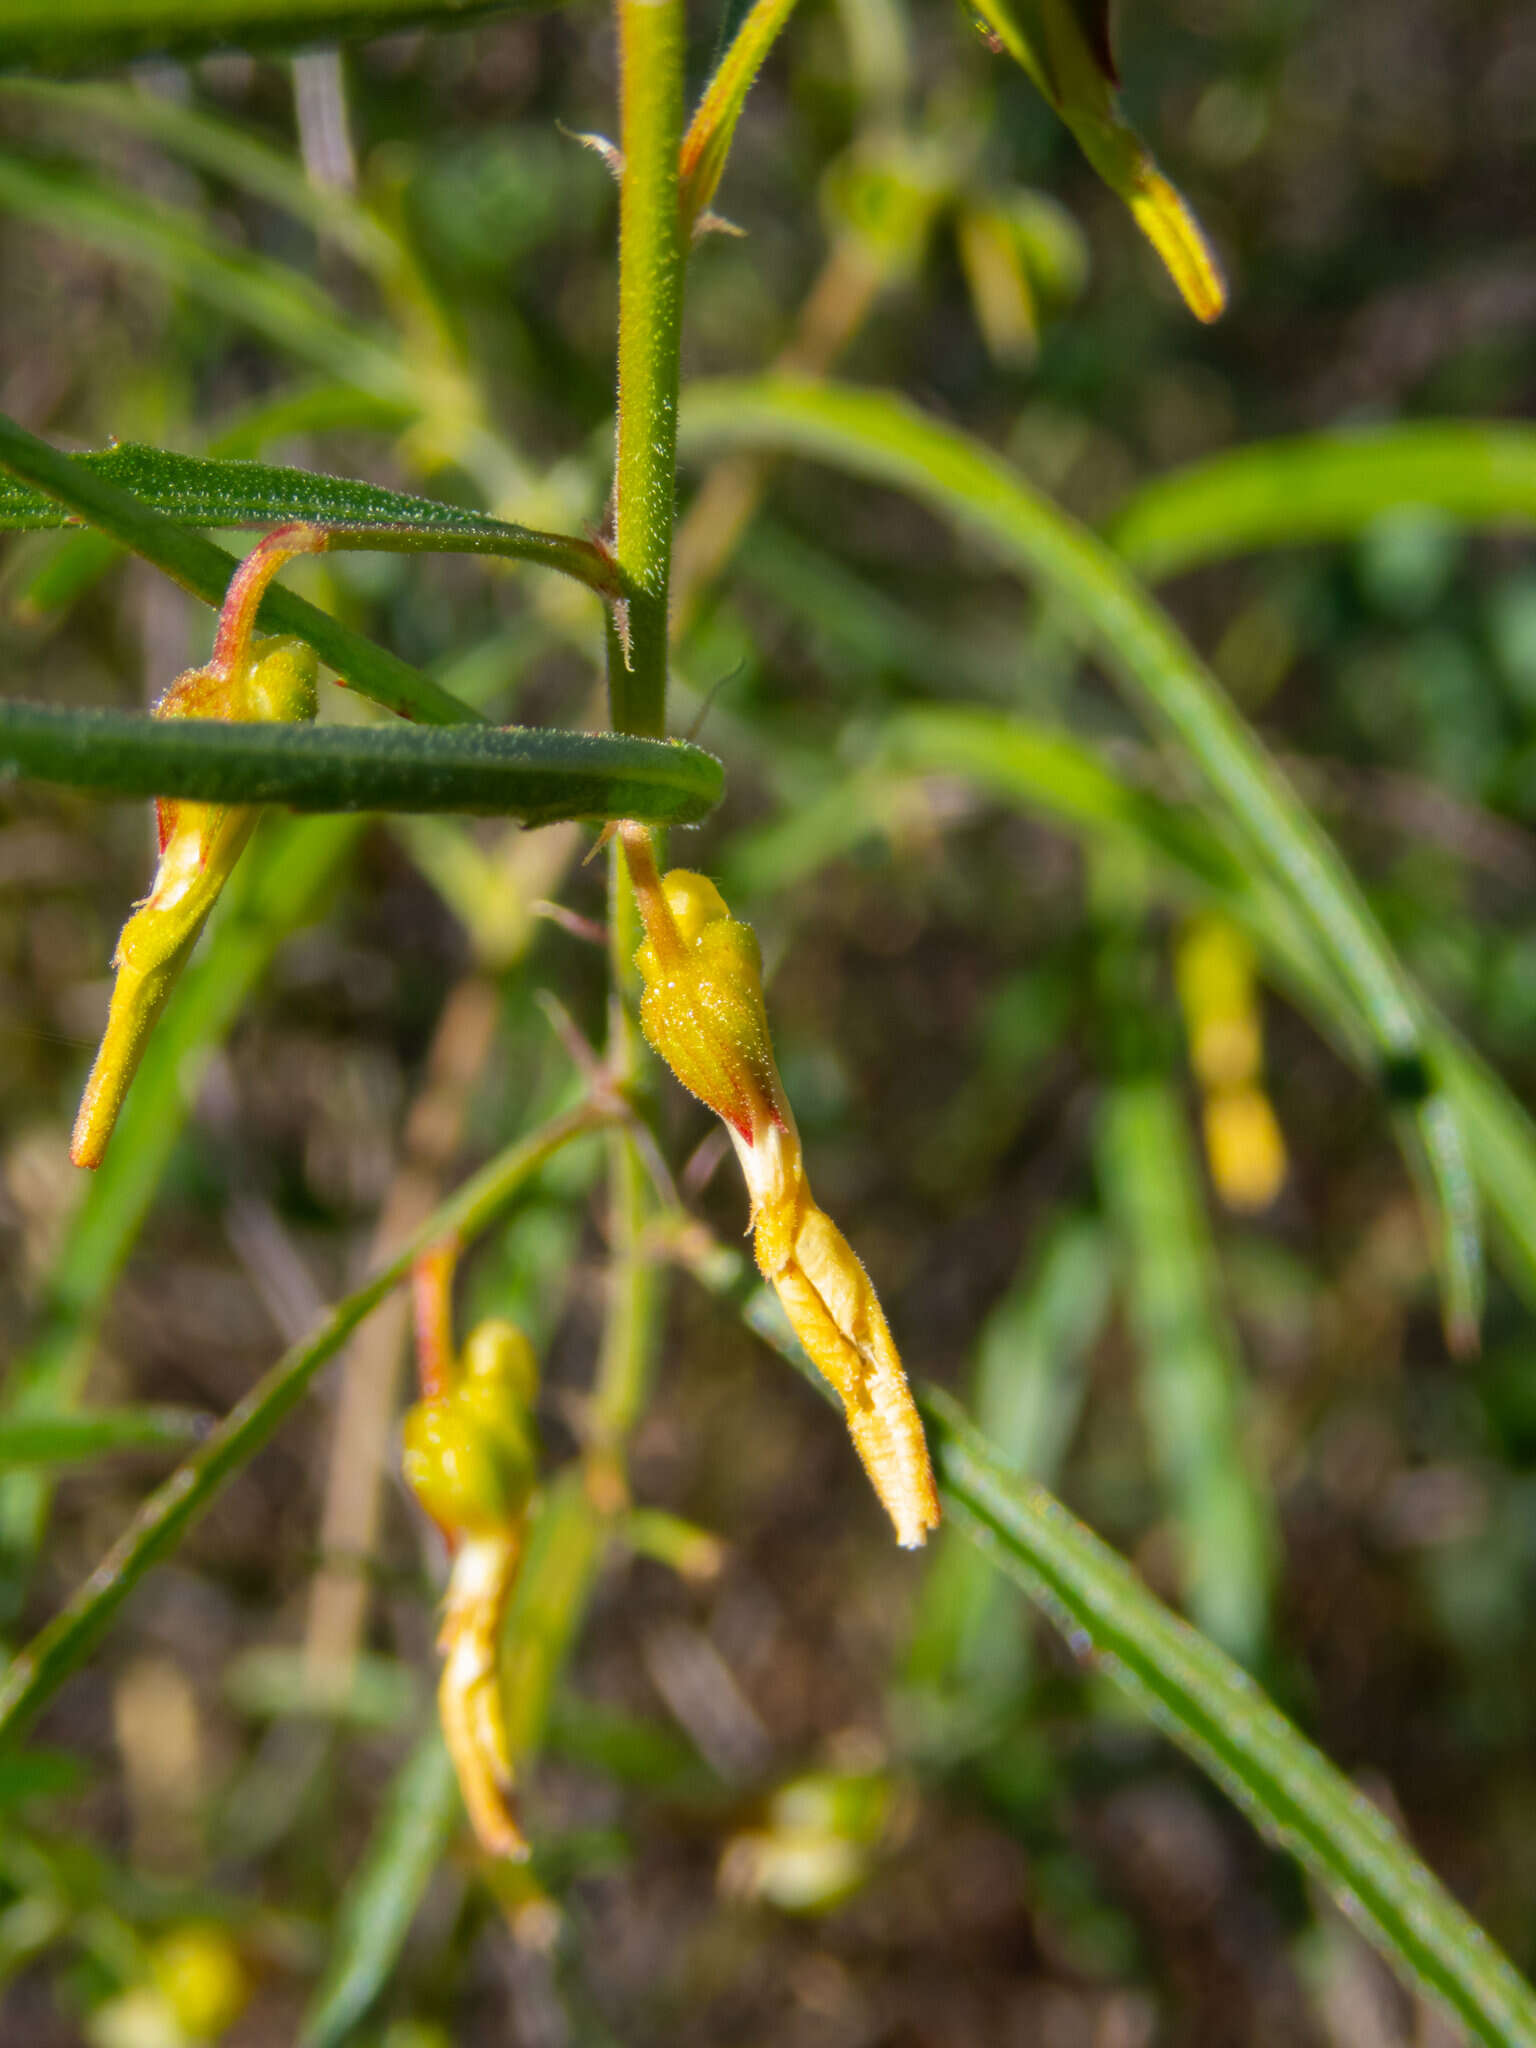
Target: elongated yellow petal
[[469, 1697], [835, 1312]]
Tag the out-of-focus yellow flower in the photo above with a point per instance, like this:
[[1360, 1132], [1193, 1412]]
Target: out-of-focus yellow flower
[[198, 1971], [817, 1844], [470, 1457], [702, 1010], [1218, 993], [245, 679]]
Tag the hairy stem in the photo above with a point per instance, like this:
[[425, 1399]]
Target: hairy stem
[[650, 324]]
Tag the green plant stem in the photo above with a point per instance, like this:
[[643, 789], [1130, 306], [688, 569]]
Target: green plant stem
[[200, 567], [37, 1671], [650, 333]]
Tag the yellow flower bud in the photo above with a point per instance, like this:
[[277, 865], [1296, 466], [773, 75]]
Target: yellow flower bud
[[470, 1457], [498, 1355], [702, 1009]]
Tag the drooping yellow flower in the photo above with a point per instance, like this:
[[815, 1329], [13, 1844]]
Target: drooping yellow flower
[[470, 1458], [245, 679], [702, 1010]]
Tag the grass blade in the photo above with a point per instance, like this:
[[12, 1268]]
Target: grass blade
[[237, 154], [276, 301], [1197, 1695], [534, 774], [1322, 487], [881, 437], [93, 35], [1191, 1382], [65, 1439], [419, 1813], [1057, 777], [1213, 1711]]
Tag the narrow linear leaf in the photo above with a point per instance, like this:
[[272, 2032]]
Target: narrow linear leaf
[[1322, 487], [197, 565], [35, 1673], [1195, 1693], [203, 490], [707, 143], [1214, 1711], [94, 35], [416, 1820], [1064, 47], [534, 774], [218, 144], [1054, 776], [881, 437], [1029, 1385], [66, 1439], [277, 301], [1191, 1381]]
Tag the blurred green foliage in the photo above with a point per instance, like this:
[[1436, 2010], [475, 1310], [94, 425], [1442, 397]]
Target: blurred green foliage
[[810, 1792]]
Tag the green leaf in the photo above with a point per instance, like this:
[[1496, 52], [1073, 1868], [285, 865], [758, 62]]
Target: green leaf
[[1195, 1693], [1321, 487], [1054, 776], [533, 774], [1214, 1711], [279, 302], [95, 35], [1064, 46], [75, 1439], [878, 436], [707, 143], [417, 1819], [202, 490], [237, 154], [1191, 1379], [197, 565]]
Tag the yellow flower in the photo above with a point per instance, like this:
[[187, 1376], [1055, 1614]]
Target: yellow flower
[[1218, 993], [702, 1010], [470, 1458], [199, 843]]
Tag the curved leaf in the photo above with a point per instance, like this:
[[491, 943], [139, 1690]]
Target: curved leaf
[[94, 35], [197, 565], [1215, 1712], [202, 490], [881, 437], [534, 774], [1195, 1693], [1064, 46], [1319, 487]]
